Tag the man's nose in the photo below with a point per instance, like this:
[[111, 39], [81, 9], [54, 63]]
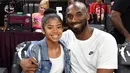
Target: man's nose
[[74, 19]]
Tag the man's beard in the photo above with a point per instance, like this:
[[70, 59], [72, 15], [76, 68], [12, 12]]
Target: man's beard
[[80, 29]]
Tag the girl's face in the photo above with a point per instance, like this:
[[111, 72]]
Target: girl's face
[[42, 8], [53, 29]]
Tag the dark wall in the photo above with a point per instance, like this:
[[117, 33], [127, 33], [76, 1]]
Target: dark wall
[[2, 11], [90, 1]]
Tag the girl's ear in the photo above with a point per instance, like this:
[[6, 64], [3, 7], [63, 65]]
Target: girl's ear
[[43, 31]]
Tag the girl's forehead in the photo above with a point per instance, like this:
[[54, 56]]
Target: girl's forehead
[[51, 20]]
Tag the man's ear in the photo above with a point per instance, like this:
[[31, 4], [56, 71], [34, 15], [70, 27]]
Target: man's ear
[[88, 16]]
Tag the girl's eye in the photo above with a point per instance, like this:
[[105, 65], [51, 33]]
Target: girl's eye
[[59, 27], [49, 27]]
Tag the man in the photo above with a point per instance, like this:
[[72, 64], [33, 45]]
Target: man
[[120, 18], [121, 22], [91, 50]]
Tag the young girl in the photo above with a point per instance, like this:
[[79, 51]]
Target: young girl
[[37, 17], [50, 53]]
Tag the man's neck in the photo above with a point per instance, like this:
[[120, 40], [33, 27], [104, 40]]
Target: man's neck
[[86, 34]]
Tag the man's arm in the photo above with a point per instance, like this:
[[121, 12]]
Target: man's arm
[[117, 22], [28, 65], [108, 55], [105, 70]]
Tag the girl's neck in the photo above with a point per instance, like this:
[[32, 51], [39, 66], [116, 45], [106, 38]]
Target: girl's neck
[[52, 45], [54, 49]]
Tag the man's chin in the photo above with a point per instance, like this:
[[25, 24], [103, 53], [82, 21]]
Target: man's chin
[[76, 31]]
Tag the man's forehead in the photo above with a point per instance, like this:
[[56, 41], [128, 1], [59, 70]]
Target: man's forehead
[[74, 11], [76, 6]]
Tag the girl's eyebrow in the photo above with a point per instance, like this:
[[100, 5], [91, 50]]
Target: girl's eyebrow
[[57, 25], [49, 25]]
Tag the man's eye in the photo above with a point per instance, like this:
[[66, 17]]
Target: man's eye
[[69, 16], [79, 14]]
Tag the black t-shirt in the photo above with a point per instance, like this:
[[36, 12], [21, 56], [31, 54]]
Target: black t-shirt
[[123, 6]]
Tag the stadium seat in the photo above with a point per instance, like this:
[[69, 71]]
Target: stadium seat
[[20, 54], [30, 8], [98, 26]]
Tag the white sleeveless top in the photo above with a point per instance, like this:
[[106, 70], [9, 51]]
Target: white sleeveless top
[[58, 63]]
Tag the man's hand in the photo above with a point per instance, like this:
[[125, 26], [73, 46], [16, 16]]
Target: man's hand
[[29, 65], [128, 38]]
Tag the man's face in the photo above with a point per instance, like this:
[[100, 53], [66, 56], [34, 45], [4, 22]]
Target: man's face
[[76, 19]]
